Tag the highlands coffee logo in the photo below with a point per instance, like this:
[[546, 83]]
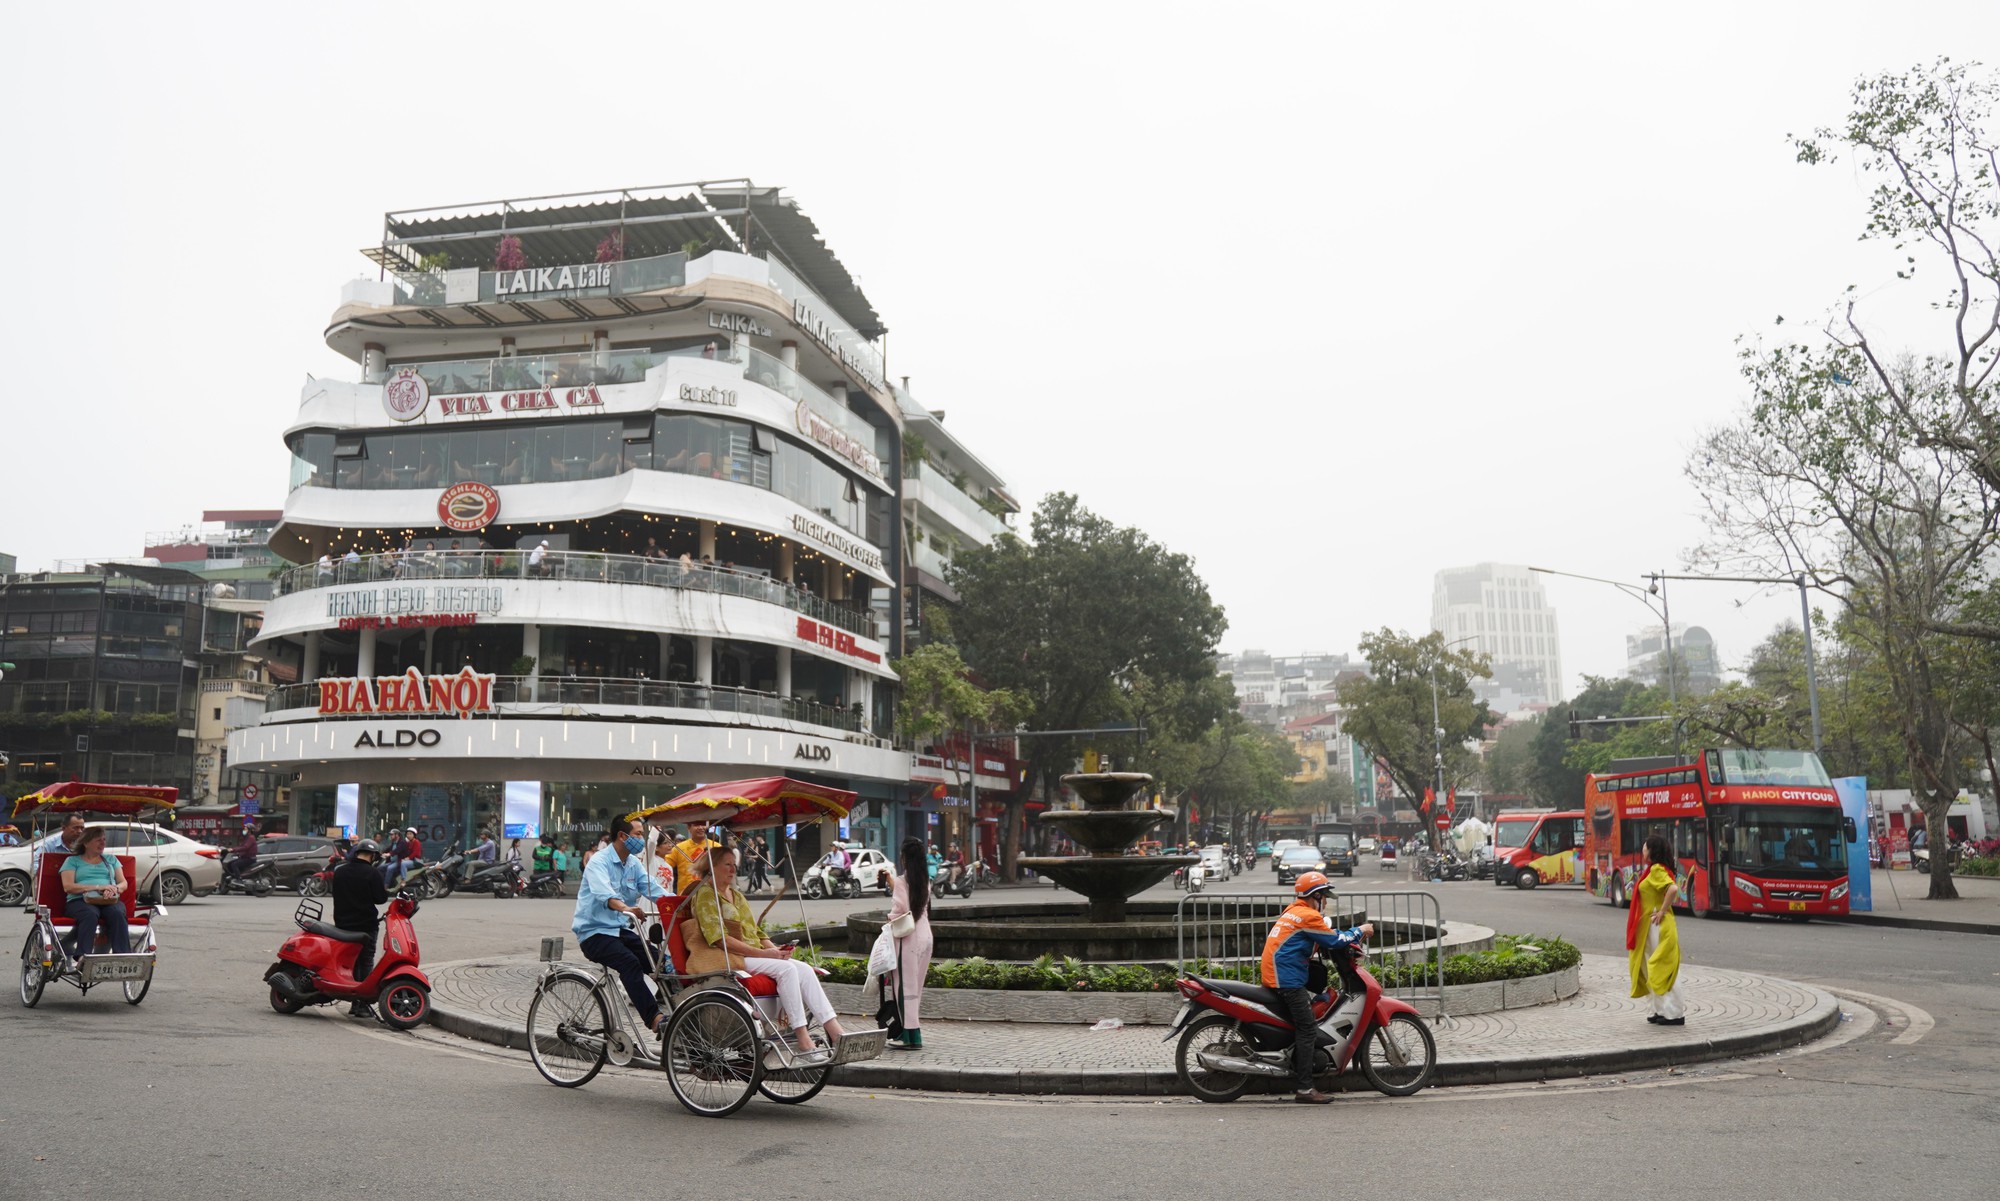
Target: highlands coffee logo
[[814, 752]]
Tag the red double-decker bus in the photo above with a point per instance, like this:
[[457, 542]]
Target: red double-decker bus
[[1753, 831]]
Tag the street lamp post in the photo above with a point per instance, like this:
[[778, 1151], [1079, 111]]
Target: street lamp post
[[1805, 624], [1437, 736], [1644, 597]]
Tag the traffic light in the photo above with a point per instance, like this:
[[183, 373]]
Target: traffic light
[[1575, 727]]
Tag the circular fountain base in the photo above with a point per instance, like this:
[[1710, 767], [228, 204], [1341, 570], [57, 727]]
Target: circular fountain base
[[1028, 931]]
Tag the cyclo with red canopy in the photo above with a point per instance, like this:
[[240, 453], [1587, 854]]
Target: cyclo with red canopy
[[724, 1038], [44, 958]]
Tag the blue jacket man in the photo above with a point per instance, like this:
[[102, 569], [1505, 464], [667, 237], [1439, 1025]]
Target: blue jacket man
[[613, 883]]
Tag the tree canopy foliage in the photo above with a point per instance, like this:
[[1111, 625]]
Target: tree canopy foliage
[[1095, 625], [1390, 711]]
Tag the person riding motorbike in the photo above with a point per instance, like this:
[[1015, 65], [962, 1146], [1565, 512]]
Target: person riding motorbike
[[955, 860], [613, 882], [244, 856], [1288, 970], [357, 888]]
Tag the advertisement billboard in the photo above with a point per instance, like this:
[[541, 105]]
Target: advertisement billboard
[[521, 811]]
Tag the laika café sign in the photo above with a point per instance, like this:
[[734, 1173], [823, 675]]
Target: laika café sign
[[536, 280], [824, 332], [460, 695]]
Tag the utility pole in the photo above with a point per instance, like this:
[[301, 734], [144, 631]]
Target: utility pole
[[1805, 623]]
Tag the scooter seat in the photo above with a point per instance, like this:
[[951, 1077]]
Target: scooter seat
[[1247, 992], [334, 932]]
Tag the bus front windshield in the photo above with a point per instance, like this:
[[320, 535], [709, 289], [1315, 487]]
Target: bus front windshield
[[1787, 839], [1801, 768], [1513, 831]]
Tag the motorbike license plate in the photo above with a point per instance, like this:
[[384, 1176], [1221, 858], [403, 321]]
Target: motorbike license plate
[[1795, 906]]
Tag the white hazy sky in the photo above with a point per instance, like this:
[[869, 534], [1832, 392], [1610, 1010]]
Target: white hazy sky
[[1328, 296]]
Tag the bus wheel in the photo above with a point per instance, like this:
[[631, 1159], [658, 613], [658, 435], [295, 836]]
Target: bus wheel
[[1617, 891], [1526, 879]]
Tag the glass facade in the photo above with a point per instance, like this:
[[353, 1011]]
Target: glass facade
[[540, 452]]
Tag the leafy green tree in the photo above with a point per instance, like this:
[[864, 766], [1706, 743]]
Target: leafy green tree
[[1095, 624], [1508, 769], [939, 698], [1390, 710], [1554, 778]]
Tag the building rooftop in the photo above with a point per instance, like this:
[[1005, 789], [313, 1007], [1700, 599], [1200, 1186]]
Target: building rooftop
[[735, 215]]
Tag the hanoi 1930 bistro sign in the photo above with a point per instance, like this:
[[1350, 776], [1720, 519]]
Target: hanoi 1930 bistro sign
[[835, 640], [460, 695]]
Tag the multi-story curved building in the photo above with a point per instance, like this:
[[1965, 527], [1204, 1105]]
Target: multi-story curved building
[[609, 506]]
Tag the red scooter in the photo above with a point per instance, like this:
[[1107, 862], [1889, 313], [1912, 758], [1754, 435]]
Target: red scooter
[[1231, 1032], [316, 966]]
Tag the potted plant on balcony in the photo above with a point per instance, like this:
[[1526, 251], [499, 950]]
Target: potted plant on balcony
[[508, 255], [612, 248]]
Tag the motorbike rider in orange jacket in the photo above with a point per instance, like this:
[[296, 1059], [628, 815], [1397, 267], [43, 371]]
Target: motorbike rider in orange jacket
[[1287, 964]]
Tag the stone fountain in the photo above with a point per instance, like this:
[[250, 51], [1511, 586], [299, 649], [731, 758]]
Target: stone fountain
[[1106, 827]]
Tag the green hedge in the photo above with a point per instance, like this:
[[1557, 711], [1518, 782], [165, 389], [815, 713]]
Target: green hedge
[[1513, 957], [1979, 867]]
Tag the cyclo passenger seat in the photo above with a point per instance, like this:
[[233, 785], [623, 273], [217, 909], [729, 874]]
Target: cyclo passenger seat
[[756, 986], [49, 891]]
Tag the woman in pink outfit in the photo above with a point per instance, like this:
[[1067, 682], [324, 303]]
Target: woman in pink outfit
[[911, 900]]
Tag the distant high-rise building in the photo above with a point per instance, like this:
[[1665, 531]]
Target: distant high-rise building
[[1698, 666], [1499, 610]]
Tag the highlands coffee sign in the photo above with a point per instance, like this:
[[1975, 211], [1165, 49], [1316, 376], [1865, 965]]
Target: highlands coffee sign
[[461, 695], [860, 552]]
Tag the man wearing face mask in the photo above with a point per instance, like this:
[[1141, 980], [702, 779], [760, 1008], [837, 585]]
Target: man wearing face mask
[[613, 883]]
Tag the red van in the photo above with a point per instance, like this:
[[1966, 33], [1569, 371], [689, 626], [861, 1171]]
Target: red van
[[1537, 848]]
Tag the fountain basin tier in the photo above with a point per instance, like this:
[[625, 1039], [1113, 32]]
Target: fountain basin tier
[[1106, 790], [1105, 832], [1107, 881]]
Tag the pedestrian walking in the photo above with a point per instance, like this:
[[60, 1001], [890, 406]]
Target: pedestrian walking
[[1651, 937]]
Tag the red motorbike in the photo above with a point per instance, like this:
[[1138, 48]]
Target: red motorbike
[[1231, 1033], [316, 966]]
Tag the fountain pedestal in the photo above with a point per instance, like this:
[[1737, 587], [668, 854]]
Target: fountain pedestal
[[1106, 827]]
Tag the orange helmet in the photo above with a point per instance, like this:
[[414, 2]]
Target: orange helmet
[[1310, 885]]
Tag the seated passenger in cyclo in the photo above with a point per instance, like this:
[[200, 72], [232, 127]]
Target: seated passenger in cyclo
[[613, 883], [723, 936], [94, 895]]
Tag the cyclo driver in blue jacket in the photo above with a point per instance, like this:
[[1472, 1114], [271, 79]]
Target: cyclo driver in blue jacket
[[1288, 970], [612, 885]]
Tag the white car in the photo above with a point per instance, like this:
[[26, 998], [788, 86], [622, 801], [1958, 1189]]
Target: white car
[[171, 867], [1367, 846], [1215, 862], [868, 866]]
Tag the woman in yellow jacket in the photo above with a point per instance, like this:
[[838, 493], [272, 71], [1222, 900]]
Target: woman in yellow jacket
[[1651, 938]]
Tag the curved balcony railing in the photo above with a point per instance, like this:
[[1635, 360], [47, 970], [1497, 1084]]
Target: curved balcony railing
[[525, 695], [593, 566]]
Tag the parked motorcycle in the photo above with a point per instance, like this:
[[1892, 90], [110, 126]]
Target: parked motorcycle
[[316, 884], [258, 881], [1232, 1033], [316, 966], [476, 875], [434, 879], [545, 883]]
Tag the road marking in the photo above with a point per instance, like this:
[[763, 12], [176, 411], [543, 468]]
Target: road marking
[[1916, 1022]]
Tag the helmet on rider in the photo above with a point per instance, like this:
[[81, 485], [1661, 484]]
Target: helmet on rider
[[368, 847], [1312, 886]]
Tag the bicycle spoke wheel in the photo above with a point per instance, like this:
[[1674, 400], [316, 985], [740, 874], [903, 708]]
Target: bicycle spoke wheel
[[711, 1056], [569, 1028], [1399, 1058], [32, 980], [794, 1085]]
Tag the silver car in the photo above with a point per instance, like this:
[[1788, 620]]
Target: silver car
[[170, 867]]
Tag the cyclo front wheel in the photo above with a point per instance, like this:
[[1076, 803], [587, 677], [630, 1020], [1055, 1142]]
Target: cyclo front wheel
[[569, 1031], [1400, 1057], [32, 979], [711, 1055]]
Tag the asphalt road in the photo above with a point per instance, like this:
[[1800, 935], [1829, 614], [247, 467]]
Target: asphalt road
[[204, 1091]]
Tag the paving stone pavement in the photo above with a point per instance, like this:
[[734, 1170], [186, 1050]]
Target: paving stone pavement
[[1601, 1029]]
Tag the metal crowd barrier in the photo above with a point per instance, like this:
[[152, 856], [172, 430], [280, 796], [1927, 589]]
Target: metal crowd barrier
[[1228, 930]]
